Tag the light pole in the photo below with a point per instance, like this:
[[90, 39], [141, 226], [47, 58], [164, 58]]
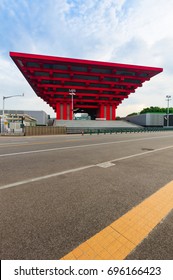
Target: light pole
[[3, 109], [72, 92], [168, 98]]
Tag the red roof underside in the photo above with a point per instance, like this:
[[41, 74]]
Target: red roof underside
[[95, 82]]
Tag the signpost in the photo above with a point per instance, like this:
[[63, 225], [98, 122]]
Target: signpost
[[168, 98]]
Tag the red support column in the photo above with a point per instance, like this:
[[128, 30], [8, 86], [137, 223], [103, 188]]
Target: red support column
[[113, 112], [65, 111], [68, 111], [108, 112], [61, 111], [58, 112], [98, 113], [102, 111]]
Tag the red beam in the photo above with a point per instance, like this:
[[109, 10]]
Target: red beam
[[88, 63]]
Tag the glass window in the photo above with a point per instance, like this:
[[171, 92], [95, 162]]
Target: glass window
[[47, 66], [99, 85], [50, 82], [88, 91], [87, 97], [117, 99], [120, 86], [125, 73], [79, 68], [60, 75], [103, 98], [62, 90], [84, 77], [45, 74], [33, 64], [101, 70], [132, 81], [112, 79], [60, 66], [143, 74], [74, 84], [108, 92], [58, 96]]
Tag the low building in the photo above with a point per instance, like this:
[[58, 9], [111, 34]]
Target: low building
[[168, 120], [148, 119], [41, 117], [16, 122]]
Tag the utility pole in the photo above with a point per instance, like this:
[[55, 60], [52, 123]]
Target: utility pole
[[3, 109], [72, 92], [168, 98]]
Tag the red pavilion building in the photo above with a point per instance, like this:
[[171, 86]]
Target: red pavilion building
[[71, 85]]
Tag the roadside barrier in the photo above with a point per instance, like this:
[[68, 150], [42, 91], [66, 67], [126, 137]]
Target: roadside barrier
[[125, 130], [48, 130], [44, 130]]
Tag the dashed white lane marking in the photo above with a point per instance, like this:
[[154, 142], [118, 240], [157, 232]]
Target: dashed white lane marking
[[82, 146], [110, 163], [105, 164]]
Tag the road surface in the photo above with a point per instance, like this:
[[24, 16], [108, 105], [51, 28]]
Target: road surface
[[56, 192]]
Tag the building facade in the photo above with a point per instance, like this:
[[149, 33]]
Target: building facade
[[14, 122], [148, 119], [74, 85]]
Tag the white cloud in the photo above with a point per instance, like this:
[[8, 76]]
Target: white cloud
[[13, 83], [123, 31]]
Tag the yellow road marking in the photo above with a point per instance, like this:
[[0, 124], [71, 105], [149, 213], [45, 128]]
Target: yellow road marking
[[118, 239]]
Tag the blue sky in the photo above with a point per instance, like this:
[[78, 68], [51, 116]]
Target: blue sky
[[123, 31]]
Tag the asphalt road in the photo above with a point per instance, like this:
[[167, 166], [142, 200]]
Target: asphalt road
[[58, 191]]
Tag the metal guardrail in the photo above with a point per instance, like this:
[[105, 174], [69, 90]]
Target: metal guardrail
[[116, 130]]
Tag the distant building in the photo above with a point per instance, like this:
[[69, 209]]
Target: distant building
[[168, 120], [40, 116], [148, 119], [16, 122]]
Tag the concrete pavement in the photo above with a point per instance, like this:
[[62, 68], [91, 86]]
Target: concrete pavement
[[64, 206]]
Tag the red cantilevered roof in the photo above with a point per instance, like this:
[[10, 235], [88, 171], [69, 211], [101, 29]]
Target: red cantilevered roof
[[94, 81]]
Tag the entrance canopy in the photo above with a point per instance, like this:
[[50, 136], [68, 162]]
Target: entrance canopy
[[71, 85]]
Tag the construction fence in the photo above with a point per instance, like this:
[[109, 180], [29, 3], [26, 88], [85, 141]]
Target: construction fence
[[44, 130]]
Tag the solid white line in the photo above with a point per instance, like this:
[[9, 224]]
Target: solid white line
[[82, 146], [79, 169]]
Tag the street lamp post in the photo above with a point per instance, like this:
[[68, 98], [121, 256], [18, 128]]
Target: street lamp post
[[3, 109], [72, 92], [168, 98]]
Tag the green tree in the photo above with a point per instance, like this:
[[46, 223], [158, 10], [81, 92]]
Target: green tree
[[156, 110]]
